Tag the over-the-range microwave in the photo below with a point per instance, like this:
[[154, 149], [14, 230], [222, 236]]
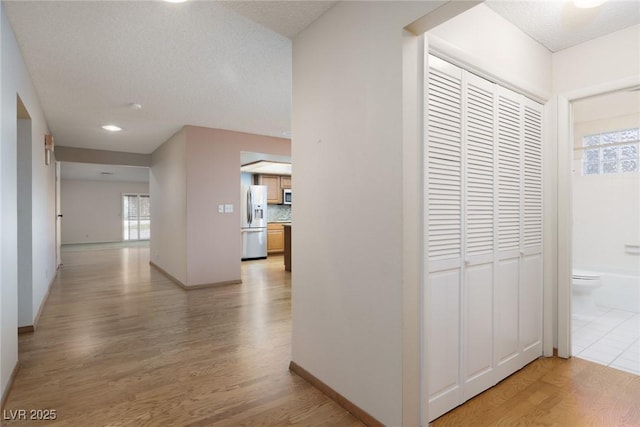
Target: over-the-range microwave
[[286, 196]]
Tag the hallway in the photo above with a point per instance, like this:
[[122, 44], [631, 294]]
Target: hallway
[[119, 344]]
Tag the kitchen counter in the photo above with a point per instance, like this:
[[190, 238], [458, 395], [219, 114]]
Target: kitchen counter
[[287, 246]]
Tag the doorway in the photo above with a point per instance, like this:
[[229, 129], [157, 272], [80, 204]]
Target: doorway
[[58, 218], [24, 216], [605, 290], [565, 159], [274, 173]]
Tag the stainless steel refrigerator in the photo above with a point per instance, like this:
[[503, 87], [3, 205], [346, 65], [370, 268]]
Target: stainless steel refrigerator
[[253, 211]]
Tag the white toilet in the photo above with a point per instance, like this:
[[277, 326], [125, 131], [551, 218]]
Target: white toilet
[[583, 283]]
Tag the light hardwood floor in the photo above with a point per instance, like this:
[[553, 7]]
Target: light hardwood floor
[[555, 392], [120, 345]]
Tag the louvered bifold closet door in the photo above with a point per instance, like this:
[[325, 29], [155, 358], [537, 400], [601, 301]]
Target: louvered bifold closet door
[[443, 168], [531, 272], [483, 234], [509, 226], [477, 292]]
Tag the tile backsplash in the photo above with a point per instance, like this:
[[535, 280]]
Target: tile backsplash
[[278, 213]]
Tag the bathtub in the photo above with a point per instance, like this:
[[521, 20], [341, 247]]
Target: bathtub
[[619, 291]]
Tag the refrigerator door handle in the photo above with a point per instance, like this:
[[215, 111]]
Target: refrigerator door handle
[[249, 207], [252, 230]]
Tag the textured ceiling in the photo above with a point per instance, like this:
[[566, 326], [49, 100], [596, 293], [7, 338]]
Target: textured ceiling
[[558, 24], [196, 63]]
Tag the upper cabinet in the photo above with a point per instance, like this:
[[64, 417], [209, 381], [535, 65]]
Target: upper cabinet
[[285, 181], [275, 184]]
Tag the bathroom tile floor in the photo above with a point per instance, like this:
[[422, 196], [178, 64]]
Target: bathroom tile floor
[[611, 337]]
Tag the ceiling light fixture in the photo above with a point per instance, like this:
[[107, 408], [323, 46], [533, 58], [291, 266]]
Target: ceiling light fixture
[[267, 167], [175, 1], [112, 128], [135, 106], [587, 4]]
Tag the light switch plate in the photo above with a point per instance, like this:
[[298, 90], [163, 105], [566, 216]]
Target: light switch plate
[[228, 208], [220, 208]]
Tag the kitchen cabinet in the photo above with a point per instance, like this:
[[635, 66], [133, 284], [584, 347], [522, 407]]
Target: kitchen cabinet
[[285, 181], [484, 234], [274, 192], [275, 238], [275, 184]]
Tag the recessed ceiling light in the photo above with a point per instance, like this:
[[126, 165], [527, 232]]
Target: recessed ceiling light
[[112, 128], [175, 1], [135, 106], [587, 4]]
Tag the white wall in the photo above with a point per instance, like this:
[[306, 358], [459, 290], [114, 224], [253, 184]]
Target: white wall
[[347, 152], [15, 81], [168, 189], [93, 209], [347, 112], [606, 209]]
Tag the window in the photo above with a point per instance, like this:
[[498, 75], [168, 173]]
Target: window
[[611, 152], [137, 217]]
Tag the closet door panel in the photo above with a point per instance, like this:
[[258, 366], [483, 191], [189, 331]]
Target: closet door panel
[[532, 260], [506, 317], [445, 391], [531, 306], [509, 233], [478, 329], [444, 204], [479, 130]]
